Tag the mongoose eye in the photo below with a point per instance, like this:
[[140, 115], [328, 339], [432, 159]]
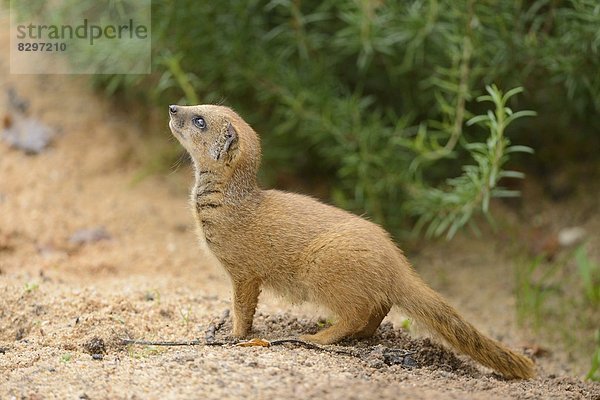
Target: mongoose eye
[[199, 122]]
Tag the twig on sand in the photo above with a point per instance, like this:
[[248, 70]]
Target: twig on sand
[[127, 341], [313, 346], [209, 337], [249, 343]]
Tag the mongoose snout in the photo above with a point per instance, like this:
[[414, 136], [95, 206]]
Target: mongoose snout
[[306, 250]]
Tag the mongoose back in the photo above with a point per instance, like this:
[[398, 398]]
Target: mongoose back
[[307, 250]]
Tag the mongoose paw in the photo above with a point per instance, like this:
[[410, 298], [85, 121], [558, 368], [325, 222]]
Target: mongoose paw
[[317, 338]]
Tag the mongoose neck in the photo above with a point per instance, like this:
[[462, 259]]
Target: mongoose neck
[[213, 188]]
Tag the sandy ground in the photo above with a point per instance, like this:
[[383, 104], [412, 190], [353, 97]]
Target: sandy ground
[[64, 306]]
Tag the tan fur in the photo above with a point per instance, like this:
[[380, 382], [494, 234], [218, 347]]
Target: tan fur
[[307, 250]]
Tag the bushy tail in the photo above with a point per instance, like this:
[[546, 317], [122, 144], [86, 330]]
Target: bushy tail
[[426, 306]]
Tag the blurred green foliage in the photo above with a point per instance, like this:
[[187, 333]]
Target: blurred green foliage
[[560, 298], [371, 97]]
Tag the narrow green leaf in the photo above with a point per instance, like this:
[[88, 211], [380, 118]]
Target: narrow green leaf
[[512, 174], [477, 119], [519, 149], [511, 93]]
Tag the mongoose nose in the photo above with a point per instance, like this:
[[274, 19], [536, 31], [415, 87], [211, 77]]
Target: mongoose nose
[[173, 109]]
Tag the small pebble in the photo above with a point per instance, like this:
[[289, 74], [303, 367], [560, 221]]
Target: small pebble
[[95, 346], [89, 235], [28, 135]]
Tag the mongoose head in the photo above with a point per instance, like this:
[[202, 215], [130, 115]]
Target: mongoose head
[[217, 139]]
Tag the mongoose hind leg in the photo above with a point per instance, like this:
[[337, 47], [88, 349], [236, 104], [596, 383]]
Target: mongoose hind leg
[[374, 321], [357, 322], [335, 333], [245, 299]]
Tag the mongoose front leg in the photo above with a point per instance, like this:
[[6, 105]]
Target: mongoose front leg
[[245, 299]]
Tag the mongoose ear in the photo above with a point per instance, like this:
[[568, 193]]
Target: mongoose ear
[[224, 142], [231, 137]]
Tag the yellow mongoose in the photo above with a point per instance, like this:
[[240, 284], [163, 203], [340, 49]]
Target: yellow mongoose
[[307, 250]]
